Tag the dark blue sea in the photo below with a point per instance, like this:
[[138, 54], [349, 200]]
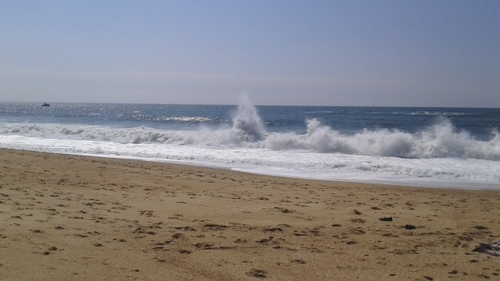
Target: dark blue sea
[[435, 147]]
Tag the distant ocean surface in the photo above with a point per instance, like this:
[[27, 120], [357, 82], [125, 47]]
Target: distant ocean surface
[[431, 147]]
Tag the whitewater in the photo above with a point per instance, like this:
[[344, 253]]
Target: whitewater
[[455, 148]]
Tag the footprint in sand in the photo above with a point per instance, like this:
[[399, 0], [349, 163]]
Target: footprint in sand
[[259, 273]]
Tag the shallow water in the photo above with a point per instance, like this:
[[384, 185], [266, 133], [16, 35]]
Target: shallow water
[[445, 147]]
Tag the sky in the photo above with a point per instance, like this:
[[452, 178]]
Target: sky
[[442, 53]]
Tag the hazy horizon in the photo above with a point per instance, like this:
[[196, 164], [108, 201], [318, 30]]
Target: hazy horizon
[[312, 53], [235, 104]]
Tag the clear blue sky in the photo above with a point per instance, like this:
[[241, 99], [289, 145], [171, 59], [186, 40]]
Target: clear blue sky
[[380, 53]]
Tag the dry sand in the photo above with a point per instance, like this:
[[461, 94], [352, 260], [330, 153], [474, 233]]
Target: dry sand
[[82, 218]]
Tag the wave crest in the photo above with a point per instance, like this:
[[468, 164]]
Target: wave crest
[[441, 140], [247, 122]]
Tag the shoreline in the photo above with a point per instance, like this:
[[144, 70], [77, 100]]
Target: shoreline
[[459, 185], [82, 217]]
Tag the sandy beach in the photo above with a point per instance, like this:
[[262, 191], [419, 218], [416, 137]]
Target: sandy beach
[[83, 218]]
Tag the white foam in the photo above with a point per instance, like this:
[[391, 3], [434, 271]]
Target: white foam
[[301, 164], [436, 156], [438, 141]]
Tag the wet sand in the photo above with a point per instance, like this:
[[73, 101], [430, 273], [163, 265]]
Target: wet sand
[[83, 218]]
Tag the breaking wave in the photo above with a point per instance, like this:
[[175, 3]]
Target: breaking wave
[[247, 122], [434, 154], [441, 140]]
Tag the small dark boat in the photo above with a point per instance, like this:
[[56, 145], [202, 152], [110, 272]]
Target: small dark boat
[[45, 104]]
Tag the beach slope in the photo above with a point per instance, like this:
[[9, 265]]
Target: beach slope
[[83, 218]]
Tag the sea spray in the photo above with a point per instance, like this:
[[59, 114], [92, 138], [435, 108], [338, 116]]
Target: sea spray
[[356, 144], [439, 140], [247, 123]]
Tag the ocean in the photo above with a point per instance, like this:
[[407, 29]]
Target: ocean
[[428, 147]]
